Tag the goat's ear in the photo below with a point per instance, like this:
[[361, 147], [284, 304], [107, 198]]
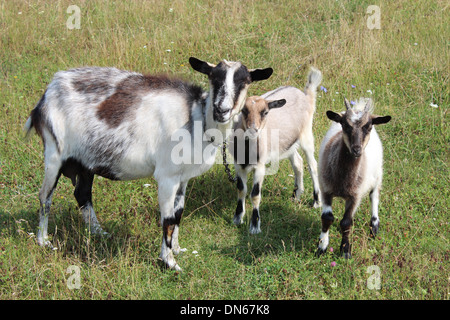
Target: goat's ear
[[201, 66], [260, 74], [334, 116], [380, 120], [276, 103]]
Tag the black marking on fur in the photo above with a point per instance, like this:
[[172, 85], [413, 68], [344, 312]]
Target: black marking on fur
[[239, 208], [247, 151], [255, 190], [240, 184], [255, 217]]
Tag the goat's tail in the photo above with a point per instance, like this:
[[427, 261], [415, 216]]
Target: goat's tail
[[28, 127], [314, 80], [35, 118]]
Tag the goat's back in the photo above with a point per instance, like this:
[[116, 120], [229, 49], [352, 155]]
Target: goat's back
[[293, 119]]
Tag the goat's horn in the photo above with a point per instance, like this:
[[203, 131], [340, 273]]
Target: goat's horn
[[347, 104], [368, 105]]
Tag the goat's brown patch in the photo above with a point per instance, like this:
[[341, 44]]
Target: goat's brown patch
[[116, 108]]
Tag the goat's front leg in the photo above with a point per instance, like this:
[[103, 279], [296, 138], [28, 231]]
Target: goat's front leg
[[178, 211], [346, 225], [242, 192], [374, 221], [167, 190], [255, 223], [327, 220]]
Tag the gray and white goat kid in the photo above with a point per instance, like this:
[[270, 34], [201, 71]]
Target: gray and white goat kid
[[270, 128], [121, 125], [350, 166]]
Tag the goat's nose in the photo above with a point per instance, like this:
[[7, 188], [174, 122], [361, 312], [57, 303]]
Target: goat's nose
[[356, 150]]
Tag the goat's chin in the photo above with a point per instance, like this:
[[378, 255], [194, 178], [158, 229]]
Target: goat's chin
[[222, 120]]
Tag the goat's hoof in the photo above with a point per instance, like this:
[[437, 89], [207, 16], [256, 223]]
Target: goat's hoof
[[98, 231], [237, 220], [374, 225], [320, 252], [178, 250], [346, 255], [45, 243], [255, 230], [172, 264]]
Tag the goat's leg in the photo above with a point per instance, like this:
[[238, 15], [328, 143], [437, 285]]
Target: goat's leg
[[52, 174], [167, 189], [327, 220], [374, 221], [83, 195], [178, 211], [307, 146], [346, 225], [242, 192], [297, 166], [258, 178]]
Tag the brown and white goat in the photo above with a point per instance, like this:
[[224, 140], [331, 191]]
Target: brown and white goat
[[270, 128], [350, 166], [124, 125]]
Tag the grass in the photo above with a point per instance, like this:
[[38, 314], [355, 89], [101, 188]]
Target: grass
[[404, 64]]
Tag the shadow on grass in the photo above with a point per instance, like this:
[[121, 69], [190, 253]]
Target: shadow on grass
[[286, 225]]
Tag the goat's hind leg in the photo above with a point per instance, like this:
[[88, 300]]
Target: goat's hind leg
[[52, 174], [297, 165], [307, 145]]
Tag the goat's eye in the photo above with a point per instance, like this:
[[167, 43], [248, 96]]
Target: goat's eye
[[366, 128], [264, 113], [346, 127], [245, 112]]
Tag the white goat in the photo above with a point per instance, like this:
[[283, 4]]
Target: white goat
[[266, 134], [121, 125], [350, 166]]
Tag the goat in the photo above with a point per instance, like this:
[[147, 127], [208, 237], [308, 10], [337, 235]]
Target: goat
[[260, 123], [123, 125], [350, 166]]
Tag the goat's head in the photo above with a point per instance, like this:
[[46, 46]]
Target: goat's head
[[229, 83], [255, 113], [356, 124]]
